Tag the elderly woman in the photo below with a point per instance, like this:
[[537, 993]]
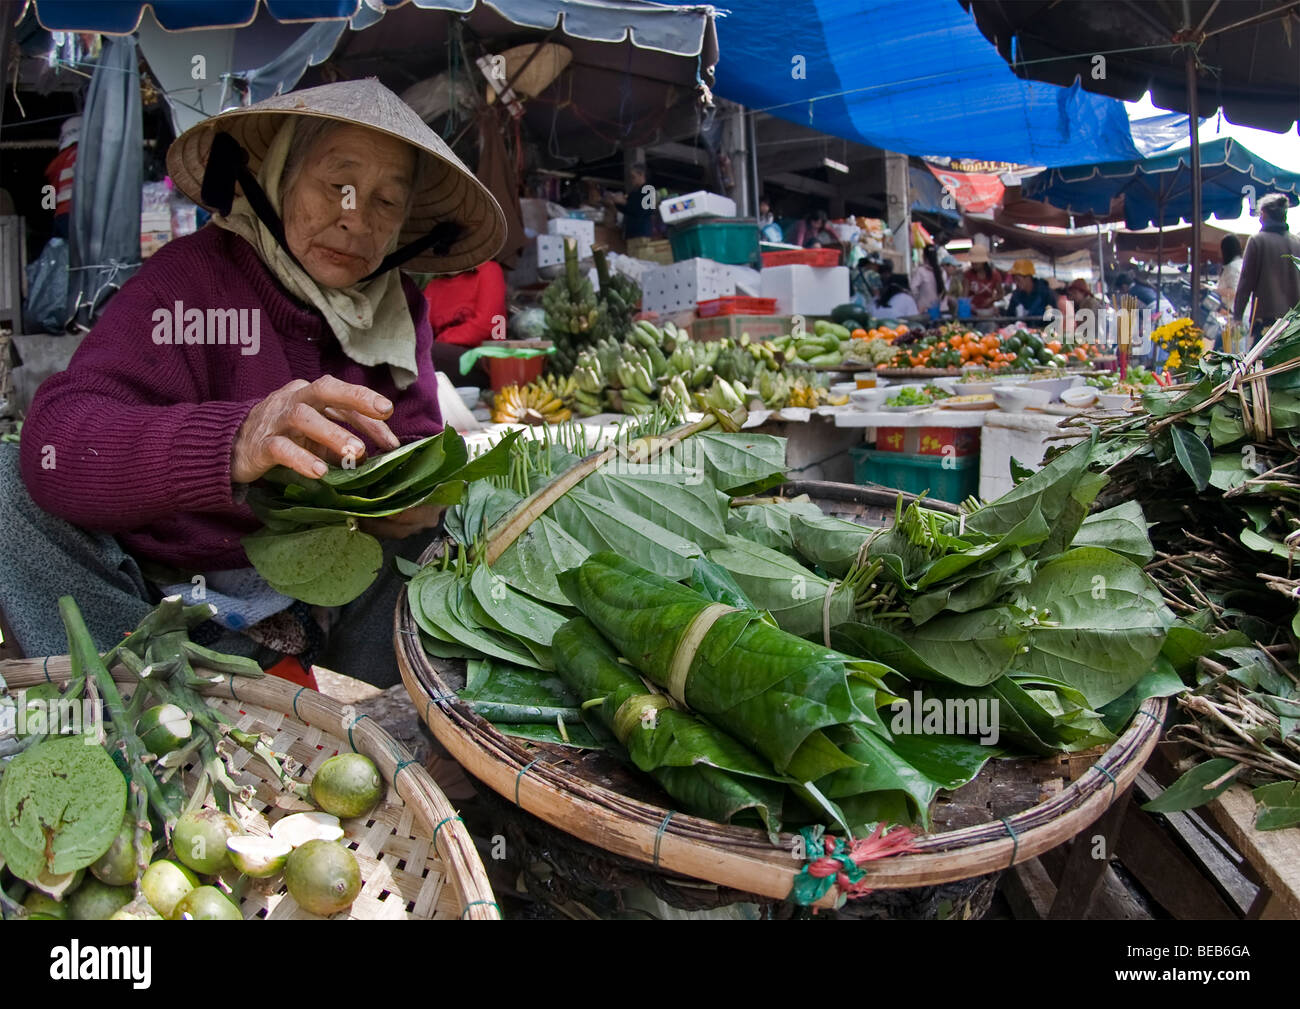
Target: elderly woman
[[280, 334]]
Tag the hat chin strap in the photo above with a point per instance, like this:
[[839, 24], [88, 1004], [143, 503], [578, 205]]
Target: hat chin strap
[[228, 165]]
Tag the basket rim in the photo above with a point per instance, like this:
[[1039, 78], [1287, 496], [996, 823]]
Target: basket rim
[[742, 857], [416, 787]]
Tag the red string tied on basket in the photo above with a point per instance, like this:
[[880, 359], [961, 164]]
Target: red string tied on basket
[[879, 844]]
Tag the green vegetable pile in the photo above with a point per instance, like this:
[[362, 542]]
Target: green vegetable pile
[[718, 607], [909, 396], [82, 815], [312, 547], [1215, 465]]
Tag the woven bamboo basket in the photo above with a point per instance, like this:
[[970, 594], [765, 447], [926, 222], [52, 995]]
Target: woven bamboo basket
[[417, 859], [593, 798]]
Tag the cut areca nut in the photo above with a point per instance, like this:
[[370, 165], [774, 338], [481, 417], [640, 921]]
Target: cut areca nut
[[299, 828], [258, 856], [163, 728]]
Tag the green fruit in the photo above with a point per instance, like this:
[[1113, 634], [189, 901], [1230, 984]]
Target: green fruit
[[138, 910], [206, 903], [96, 900], [200, 837], [164, 883], [117, 866], [323, 877], [163, 728], [45, 906], [1044, 355]]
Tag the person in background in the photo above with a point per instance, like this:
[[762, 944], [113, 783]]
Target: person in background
[[898, 300], [768, 229], [638, 218], [1230, 275], [814, 232], [1081, 296], [983, 282], [866, 285], [927, 282], [954, 283], [1032, 297], [1126, 284], [464, 310], [59, 173], [1267, 274]]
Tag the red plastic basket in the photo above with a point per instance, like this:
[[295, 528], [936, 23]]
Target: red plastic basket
[[735, 305], [802, 257]]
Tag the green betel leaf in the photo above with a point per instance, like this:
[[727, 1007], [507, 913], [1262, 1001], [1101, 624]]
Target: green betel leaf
[[64, 798], [376, 467], [1192, 455], [970, 648], [494, 462], [829, 543], [1109, 623], [482, 506], [421, 470], [325, 566], [673, 498], [531, 563], [1225, 426], [1049, 489], [735, 463], [1122, 529], [515, 613], [1279, 805], [1228, 470], [795, 596], [769, 524], [1190, 790], [600, 525], [1265, 544]]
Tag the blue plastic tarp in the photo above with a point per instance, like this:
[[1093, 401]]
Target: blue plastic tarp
[[1158, 190], [121, 17], [914, 76]]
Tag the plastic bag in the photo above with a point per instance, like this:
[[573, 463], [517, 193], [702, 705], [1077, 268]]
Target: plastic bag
[[46, 309]]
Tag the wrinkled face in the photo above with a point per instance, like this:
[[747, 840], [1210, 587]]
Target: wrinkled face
[[347, 202]]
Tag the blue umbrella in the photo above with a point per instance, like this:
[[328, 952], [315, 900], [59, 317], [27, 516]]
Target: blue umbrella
[[1158, 190]]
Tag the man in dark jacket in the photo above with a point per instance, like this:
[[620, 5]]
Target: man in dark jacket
[[1267, 273]]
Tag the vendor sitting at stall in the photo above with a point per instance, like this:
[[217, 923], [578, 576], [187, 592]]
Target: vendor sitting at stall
[[465, 309], [1032, 297], [1080, 295], [281, 334], [983, 282]]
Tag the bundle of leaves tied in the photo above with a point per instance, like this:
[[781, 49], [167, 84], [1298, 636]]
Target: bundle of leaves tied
[[312, 546], [1215, 465]]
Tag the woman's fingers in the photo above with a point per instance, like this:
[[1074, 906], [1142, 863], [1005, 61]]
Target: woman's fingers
[[307, 422], [286, 452], [376, 430], [329, 391]]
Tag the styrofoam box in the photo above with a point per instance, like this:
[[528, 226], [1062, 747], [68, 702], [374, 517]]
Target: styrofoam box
[[701, 204], [678, 287], [550, 250], [583, 231], [806, 290]]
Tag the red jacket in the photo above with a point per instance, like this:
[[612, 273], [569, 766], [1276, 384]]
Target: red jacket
[[468, 308]]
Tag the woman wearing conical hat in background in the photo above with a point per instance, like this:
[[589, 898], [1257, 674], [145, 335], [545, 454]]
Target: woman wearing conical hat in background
[[282, 333]]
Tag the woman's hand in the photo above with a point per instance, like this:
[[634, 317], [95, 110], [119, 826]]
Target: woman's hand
[[403, 524], [295, 427]]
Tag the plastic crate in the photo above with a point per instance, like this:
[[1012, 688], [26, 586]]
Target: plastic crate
[[759, 327], [948, 478], [802, 257], [735, 305], [723, 240]]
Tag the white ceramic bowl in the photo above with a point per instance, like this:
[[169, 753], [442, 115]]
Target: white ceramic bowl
[[843, 388], [1054, 386], [973, 388], [469, 395], [1017, 398], [870, 399], [1080, 396], [1114, 400], [948, 384]]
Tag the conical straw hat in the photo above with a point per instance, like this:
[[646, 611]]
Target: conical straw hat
[[449, 190]]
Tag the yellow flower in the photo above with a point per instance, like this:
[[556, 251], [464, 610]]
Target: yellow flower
[[1174, 360]]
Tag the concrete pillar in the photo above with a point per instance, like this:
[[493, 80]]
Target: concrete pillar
[[898, 203]]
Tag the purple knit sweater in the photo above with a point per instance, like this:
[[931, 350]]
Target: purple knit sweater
[[140, 435]]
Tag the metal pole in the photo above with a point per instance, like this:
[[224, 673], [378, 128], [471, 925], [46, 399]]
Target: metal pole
[[1193, 121], [1101, 261]]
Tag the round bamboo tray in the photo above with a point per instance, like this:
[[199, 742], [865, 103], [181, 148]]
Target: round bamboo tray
[[417, 859], [592, 797]]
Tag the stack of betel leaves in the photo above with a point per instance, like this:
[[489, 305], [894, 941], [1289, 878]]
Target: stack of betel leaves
[[1215, 465], [312, 547], [767, 663]]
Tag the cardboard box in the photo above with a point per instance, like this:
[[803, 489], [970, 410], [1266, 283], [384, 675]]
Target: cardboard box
[[678, 287], [583, 230], [806, 290], [954, 441], [550, 250], [700, 204], [654, 250], [611, 238]]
